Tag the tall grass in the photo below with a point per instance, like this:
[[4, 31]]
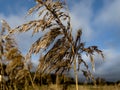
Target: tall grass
[[80, 87], [59, 49]]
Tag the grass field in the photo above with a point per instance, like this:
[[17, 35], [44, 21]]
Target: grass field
[[81, 87]]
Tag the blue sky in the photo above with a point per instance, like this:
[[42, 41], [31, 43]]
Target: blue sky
[[99, 20]]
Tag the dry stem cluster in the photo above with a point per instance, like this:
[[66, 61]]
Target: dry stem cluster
[[66, 50]]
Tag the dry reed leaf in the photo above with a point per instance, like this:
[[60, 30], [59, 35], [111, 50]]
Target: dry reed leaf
[[44, 42], [35, 8], [92, 62], [64, 51], [21, 74], [42, 12], [86, 74], [52, 60], [78, 38], [5, 25], [80, 61]]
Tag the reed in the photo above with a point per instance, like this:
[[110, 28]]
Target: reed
[[66, 51]]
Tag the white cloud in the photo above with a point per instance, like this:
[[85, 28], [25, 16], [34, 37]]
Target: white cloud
[[111, 59], [110, 67], [109, 14], [24, 40], [13, 20], [81, 13]]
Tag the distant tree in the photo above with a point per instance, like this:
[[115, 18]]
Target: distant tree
[[58, 47], [118, 83], [100, 81]]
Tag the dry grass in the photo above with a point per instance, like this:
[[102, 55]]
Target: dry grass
[[81, 87], [58, 47]]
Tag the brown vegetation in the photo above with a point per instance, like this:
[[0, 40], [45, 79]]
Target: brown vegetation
[[66, 50]]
